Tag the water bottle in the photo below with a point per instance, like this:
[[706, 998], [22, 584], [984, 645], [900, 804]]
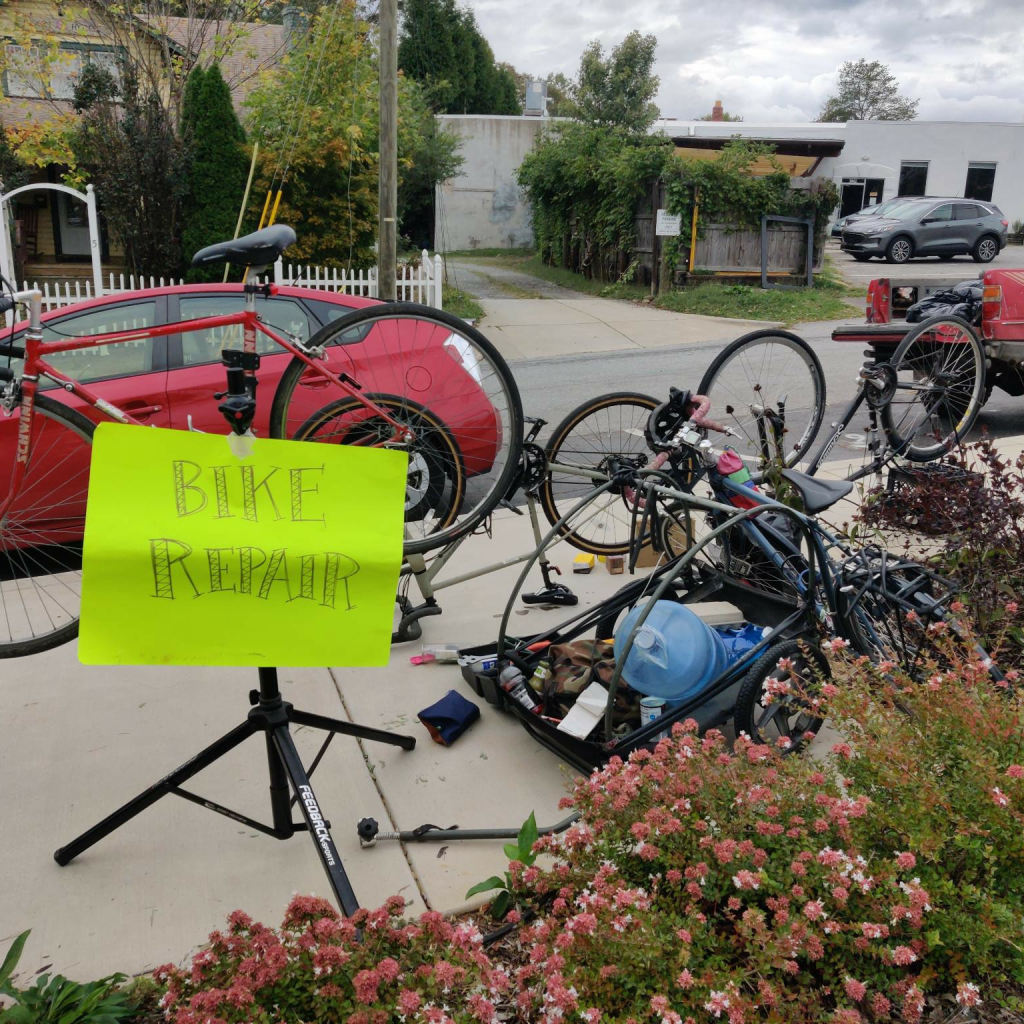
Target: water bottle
[[731, 466], [675, 654], [513, 682]]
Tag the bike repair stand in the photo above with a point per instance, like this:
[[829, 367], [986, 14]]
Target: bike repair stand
[[533, 468], [270, 715]]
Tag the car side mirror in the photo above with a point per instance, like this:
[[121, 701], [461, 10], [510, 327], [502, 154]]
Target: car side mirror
[[929, 220]]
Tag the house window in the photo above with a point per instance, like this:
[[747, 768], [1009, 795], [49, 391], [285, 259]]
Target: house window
[[72, 61], [980, 179], [21, 74], [913, 178], [27, 76]]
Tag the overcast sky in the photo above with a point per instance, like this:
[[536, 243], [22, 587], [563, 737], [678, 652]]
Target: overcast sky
[[777, 59]]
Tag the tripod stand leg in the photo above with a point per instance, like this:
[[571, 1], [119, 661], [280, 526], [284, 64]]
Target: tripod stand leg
[[364, 732], [147, 798], [325, 848]]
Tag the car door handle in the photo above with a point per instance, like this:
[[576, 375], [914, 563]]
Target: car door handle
[[142, 410]]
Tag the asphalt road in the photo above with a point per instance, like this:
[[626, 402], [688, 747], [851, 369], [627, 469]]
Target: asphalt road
[[551, 388]]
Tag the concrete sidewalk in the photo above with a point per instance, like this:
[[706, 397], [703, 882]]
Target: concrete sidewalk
[[548, 328]]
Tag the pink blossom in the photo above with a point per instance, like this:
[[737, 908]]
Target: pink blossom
[[967, 994], [366, 984], [905, 861], [1015, 771], [746, 880], [843, 750], [408, 1001], [903, 955], [855, 990], [1011, 607], [591, 1016], [814, 910], [685, 980], [999, 798]]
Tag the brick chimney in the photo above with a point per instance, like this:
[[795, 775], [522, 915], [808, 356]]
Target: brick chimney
[[294, 25], [717, 111]]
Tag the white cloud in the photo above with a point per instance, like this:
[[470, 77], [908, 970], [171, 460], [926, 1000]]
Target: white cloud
[[777, 59]]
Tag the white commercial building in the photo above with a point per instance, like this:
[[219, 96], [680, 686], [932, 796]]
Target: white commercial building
[[869, 161]]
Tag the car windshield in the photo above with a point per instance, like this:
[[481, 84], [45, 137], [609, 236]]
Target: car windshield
[[906, 211]]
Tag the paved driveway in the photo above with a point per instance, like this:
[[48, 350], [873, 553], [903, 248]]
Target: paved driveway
[[959, 268]]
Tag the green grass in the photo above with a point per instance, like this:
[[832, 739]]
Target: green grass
[[460, 303], [827, 300], [822, 302]]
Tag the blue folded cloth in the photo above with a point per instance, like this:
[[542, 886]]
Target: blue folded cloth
[[449, 718]]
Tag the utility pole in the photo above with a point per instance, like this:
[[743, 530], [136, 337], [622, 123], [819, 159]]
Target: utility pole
[[387, 235]]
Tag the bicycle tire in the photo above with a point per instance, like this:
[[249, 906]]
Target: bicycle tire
[[479, 384], [422, 495], [719, 390], [47, 411], [751, 692], [603, 441], [920, 347]]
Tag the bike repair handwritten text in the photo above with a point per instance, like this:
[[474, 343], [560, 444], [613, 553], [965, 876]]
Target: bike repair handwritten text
[[250, 496]]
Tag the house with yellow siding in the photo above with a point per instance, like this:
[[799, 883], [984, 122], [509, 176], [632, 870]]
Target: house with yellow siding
[[45, 46]]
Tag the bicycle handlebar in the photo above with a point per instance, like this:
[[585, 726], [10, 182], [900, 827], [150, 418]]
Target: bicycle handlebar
[[12, 351]]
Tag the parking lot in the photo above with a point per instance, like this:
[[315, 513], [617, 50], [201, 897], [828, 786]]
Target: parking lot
[[958, 268]]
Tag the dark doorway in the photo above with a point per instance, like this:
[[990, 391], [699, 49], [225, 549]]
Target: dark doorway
[[859, 193]]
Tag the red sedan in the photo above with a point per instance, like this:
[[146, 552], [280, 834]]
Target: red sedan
[[169, 382]]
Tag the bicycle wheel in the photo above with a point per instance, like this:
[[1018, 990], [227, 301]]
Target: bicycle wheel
[[585, 442], [42, 530], [772, 705], [875, 605], [940, 381], [764, 368], [436, 478], [438, 368]]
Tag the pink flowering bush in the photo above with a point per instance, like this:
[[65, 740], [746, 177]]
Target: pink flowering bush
[[316, 968], [704, 883]]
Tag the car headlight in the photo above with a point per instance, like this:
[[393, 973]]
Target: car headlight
[[885, 230]]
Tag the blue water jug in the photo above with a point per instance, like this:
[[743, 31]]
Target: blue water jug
[[675, 654]]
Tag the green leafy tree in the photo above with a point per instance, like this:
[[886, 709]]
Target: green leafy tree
[[868, 91], [560, 102], [618, 90], [318, 138], [219, 165], [442, 47], [127, 145]]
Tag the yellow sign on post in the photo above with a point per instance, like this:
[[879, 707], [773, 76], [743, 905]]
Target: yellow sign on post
[[195, 556]]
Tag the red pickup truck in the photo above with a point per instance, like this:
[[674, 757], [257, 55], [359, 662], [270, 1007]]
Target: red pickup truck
[[1001, 330]]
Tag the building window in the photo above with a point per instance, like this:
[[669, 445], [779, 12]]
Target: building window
[[28, 77], [913, 178], [73, 60], [980, 179], [21, 75]]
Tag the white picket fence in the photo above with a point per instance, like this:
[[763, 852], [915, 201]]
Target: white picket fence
[[65, 293], [421, 284], [415, 284]]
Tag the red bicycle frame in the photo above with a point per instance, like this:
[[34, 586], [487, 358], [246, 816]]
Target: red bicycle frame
[[35, 366]]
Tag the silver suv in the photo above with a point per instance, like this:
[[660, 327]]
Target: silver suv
[[929, 227]]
